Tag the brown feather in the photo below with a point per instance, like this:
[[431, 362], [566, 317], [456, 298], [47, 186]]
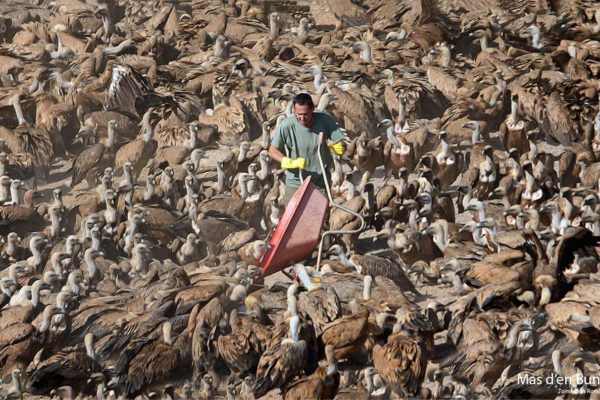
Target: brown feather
[[401, 363]]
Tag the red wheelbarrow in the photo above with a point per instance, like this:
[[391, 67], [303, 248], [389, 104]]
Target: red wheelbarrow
[[299, 230]]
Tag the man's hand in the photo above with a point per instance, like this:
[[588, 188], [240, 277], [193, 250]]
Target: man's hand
[[288, 163], [338, 148]]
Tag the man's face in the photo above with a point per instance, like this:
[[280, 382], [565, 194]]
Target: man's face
[[304, 114]]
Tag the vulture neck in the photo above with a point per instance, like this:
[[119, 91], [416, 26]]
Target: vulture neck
[[6, 290], [242, 186], [367, 290], [96, 241], [189, 190], [220, 179], [56, 266], [58, 203], [317, 81], [303, 30], [391, 136], [445, 148], [45, 322], [242, 153], [484, 42], [476, 134], [60, 50], [28, 198], [133, 229], [13, 274], [167, 331], [148, 131], [55, 225], [73, 285], [265, 138], [338, 174], [35, 85], [16, 103], [536, 36], [264, 168], [370, 383], [91, 263], [514, 108], [324, 102], [556, 362], [440, 237], [35, 293], [140, 262], [401, 109], [16, 380], [539, 249], [556, 219], [11, 247], [220, 50], [14, 195], [127, 177], [4, 193], [193, 138], [366, 54], [350, 191], [150, 190], [111, 137], [481, 213], [534, 220], [36, 254], [457, 283], [117, 49], [273, 28], [304, 277], [446, 56], [292, 305], [412, 218], [294, 328], [89, 347]]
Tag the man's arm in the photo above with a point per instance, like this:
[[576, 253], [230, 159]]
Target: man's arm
[[286, 162], [276, 154], [336, 136]]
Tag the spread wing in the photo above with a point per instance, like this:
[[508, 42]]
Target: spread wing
[[126, 86]]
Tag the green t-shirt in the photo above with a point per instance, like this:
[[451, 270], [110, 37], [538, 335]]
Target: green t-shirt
[[296, 141]]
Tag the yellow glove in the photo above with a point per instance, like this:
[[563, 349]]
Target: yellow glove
[[338, 148], [288, 163]]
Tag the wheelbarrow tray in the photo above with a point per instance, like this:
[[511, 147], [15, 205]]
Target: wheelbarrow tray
[[299, 229]]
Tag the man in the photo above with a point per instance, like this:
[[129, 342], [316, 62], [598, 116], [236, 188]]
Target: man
[[296, 141]]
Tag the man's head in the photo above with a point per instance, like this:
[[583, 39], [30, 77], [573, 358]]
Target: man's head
[[303, 109]]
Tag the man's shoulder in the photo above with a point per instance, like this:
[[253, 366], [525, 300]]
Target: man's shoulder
[[323, 116], [287, 122]]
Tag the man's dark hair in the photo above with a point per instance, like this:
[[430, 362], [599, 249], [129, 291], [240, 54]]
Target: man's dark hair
[[304, 99]]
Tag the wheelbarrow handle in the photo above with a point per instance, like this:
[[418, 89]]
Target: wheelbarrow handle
[[334, 204]]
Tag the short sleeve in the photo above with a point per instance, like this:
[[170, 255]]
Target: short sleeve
[[335, 133], [279, 138]]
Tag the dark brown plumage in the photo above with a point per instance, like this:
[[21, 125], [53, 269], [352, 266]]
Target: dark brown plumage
[[280, 363], [380, 266], [401, 363], [61, 369], [92, 161]]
